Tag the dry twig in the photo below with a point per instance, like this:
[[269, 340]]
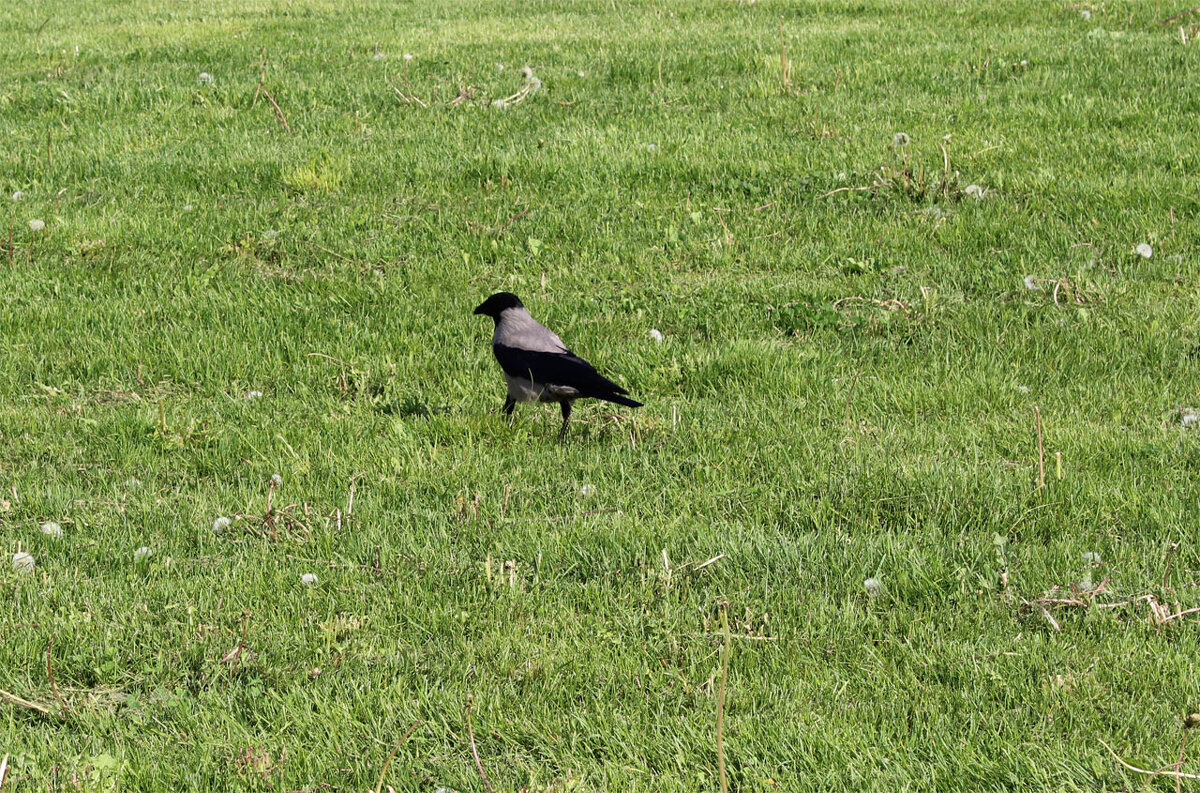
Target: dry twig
[[24, 703], [391, 754], [475, 751], [1049, 618], [409, 99], [1178, 16], [275, 105], [840, 190], [1180, 614], [1159, 772], [713, 560], [501, 229]]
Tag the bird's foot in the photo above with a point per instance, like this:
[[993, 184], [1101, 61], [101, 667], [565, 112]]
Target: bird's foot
[[566, 414]]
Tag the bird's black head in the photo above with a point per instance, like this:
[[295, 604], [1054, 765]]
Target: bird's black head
[[498, 303]]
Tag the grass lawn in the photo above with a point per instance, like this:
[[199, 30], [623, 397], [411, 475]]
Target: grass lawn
[[874, 235]]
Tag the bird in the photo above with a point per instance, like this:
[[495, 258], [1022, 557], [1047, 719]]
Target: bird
[[538, 367]]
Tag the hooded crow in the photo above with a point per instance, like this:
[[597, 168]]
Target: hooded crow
[[538, 366]]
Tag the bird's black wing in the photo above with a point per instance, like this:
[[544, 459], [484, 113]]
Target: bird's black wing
[[558, 368]]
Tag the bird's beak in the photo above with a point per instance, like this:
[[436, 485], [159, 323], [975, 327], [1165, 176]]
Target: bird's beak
[[479, 309]]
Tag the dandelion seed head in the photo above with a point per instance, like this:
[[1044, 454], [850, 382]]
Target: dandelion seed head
[[52, 529], [1085, 14], [408, 56], [378, 56], [651, 147], [188, 207], [36, 225], [1188, 418], [500, 104], [254, 395], [580, 74], [22, 562], [1024, 389], [656, 334], [17, 196], [1144, 250], [142, 554], [873, 586], [309, 579], [277, 480], [527, 72], [1031, 284], [221, 524], [900, 139], [974, 191], [206, 78], [535, 84], [1091, 557], [133, 482], [587, 491], [270, 234]]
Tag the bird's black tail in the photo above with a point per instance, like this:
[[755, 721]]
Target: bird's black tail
[[620, 400]]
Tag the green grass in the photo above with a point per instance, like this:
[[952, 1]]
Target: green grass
[[845, 390]]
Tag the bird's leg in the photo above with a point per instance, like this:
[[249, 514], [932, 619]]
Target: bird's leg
[[566, 411], [509, 404]]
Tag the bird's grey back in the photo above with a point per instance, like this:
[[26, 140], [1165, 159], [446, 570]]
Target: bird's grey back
[[517, 329]]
